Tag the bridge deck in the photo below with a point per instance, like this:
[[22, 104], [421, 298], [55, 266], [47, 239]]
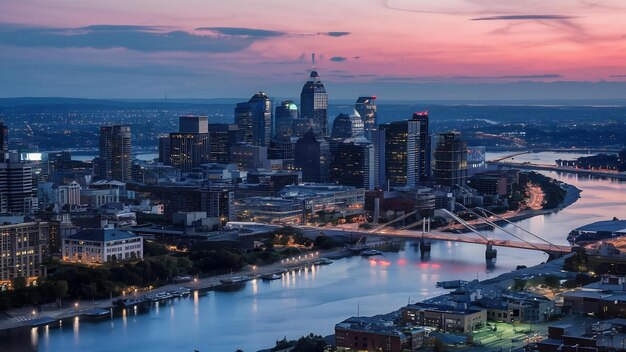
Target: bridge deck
[[466, 238]]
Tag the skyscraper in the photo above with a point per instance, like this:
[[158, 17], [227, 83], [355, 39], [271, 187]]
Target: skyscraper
[[243, 120], [193, 124], [312, 157], [396, 145], [423, 147], [450, 160], [366, 107], [314, 104], [254, 119], [353, 163], [347, 126], [189, 149], [16, 188], [4, 142], [115, 153], [221, 138], [286, 114]]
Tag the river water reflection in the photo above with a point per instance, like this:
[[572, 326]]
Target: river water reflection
[[313, 300]]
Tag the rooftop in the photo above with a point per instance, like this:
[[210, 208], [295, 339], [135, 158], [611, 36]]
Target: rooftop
[[102, 235]]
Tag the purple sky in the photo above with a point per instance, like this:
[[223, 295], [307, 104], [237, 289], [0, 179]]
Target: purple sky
[[396, 49]]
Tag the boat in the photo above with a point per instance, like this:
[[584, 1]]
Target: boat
[[97, 312], [235, 279], [180, 292], [323, 261], [452, 284], [370, 252], [270, 277], [130, 302]]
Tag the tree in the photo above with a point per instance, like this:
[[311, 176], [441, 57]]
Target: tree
[[60, 290], [19, 282], [552, 281], [519, 284], [311, 343]]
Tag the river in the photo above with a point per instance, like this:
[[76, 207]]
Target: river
[[313, 300]]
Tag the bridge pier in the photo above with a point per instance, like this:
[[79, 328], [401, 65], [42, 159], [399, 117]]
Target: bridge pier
[[490, 253]]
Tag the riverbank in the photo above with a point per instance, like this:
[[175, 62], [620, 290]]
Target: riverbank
[[572, 194], [29, 316]]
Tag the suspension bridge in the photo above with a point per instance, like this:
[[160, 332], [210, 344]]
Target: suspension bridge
[[522, 238]]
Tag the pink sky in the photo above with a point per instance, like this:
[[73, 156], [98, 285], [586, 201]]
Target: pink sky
[[461, 41]]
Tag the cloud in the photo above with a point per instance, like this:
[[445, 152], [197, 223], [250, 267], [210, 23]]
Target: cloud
[[335, 34], [264, 33], [338, 59], [617, 76], [541, 76], [244, 32], [138, 38], [524, 17]]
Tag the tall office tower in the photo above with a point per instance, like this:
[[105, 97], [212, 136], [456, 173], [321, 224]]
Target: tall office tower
[[16, 188], [254, 119], [221, 138], [312, 157], [193, 124], [450, 160], [4, 142], [189, 149], [314, 104], [115, 153], [353, 163], [164, 149], [261, 110], [347, 126], [397, 148], [243, 120], [423, 171], [366, 107], [284, 117]]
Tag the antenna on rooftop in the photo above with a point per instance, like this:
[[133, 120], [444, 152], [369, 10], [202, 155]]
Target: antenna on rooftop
[[313, 59]]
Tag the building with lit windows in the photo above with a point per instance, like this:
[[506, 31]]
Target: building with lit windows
[[450, 167], [190, 148], [366, 107], [97, 246], [286, 114], [254, 120], [23, 246], [314, 104], [114, 161]]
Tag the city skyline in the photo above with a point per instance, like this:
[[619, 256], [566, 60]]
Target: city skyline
[[455, 49]]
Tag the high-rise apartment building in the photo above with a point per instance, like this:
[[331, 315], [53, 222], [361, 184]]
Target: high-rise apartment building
[[423, 148], [115, 157]]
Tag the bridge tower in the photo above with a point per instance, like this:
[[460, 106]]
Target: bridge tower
[[490, 253]]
